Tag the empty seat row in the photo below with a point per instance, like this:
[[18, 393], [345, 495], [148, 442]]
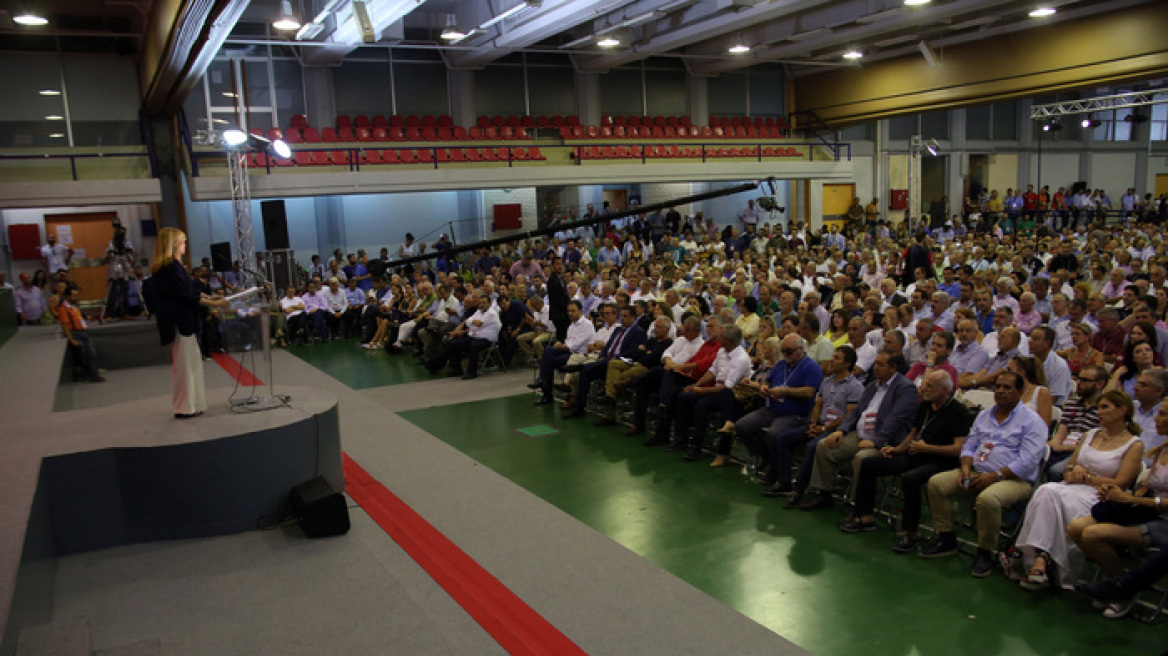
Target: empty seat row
[[667, 132], [295, 135], [402, 156], [759, 122], [675, 152], [528, 122], [646, 121], [381, 121]]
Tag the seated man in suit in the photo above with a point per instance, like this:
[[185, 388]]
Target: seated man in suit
[[932, 446], [622, 344], [713, 391], [579, 335], [675, 356], [1000, 460], [470, 338], [883, 415], [621, 371]]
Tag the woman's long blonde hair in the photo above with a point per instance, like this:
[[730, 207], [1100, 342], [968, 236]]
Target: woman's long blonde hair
[[165, 246]]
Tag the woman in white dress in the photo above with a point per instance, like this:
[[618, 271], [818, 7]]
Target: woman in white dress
[[1108, 456]]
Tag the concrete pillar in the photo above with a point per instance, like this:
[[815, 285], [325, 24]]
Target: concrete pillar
[[460, 91], [319, 99], [958, 161], [330, 225], [588, 98], [163, 137], [697, 99]]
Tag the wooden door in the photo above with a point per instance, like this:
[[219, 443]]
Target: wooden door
[[837, 198], [618, 199], [89, 236], [1161, 185]]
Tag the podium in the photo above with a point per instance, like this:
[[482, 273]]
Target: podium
[[245, 326]]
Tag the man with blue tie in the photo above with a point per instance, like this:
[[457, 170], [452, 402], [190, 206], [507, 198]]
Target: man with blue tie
[[622, 343]]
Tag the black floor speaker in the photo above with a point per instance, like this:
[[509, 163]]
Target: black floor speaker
[[320, 510]]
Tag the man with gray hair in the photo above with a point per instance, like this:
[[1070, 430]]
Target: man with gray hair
[[1007, 348], [789, 392], [931, 447], [1149, 391], [713, 391], [1110, 336]]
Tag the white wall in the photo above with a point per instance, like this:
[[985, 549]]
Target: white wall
[[1113, 172], [1059, 170], [525, 196]]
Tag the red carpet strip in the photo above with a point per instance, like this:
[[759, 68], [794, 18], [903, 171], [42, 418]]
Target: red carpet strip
[[236, 370], [511, 622]]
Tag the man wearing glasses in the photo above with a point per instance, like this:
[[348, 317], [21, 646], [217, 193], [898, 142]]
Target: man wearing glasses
[[1000, 460], [1079, 417]]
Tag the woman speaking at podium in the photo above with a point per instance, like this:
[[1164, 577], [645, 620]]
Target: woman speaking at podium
[[175, 299]]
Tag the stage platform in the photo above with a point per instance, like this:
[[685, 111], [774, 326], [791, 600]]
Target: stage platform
[[96, 465]]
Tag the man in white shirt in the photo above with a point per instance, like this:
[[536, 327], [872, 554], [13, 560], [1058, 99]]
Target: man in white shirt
[[470, 339], [579, 335], [858, 340], [56, 256], [30, 303], [293, 308], [714, 391], [337, 303]]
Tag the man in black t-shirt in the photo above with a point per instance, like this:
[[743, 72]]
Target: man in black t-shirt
[[932, 446]]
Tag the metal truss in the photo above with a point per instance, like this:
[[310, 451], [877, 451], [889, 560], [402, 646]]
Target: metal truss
[[1100, 104], [241, 214]]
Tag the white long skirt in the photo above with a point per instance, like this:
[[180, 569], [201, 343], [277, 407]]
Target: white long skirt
[[187, 373], [1051, 510]]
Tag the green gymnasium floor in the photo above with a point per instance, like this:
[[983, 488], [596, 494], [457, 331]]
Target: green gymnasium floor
[[791, 571]]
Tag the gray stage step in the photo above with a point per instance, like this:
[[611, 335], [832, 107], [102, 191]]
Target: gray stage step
[[63, 638]]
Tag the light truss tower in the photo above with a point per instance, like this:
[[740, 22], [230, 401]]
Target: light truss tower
[[241, 214], [1100, 104], [915, 147]]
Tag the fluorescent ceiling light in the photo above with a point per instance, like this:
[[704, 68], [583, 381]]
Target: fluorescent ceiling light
[[739, 48], [309, 30], [49, 92], [853, 54], [526, 4], [228, 94], [608, 42], [916, 3], [30, 19], [286, 21], [451, 32], [1042, 12], [57, 135], [54, 117]]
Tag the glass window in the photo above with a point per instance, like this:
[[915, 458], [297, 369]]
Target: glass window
[[24, 113], [499, 91], [1005, 121], [552, 90], [977, 123], [362, 88], [221, 83], [289, 89], [1159, 124], [103, 100], [727, 94], [258, 87], [902, 127], [935, 125], [620, 92], [1123, 126]]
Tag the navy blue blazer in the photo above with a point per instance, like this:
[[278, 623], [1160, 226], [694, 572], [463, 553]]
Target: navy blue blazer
[[628, 348], [173, 297], [896, 413]]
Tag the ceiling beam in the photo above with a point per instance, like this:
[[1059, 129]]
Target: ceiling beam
[[695, 24], [182, 37]]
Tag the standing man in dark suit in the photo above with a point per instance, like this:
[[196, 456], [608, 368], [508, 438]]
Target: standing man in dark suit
[[558, 299], [622, 343], [884, 415], [918, 257]]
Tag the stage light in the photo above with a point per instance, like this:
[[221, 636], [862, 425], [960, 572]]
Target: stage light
[[234, 138], [853, 55], [1089, 123], [280, 147], [29, 18], [451, 32], [1051, 126]]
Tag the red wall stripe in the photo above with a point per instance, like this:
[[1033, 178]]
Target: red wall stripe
[[236, 370], [507, 618]]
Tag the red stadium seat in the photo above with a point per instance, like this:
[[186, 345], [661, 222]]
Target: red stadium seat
[[408, 156], [502, 154], [362, 121], [413, 134], [259, 132], [672, 122], [634, 122], [621, 152], [443, 155], [429, 134], [489, 155], [380, 134], [558, 121], [374, 157], [303, 159], [429, 121], [620, 121], [607, 152], [339, 157], [300, 121], [507, 133], [768, 151], [658, 132], [565, 133], [473, 155], [328, 135], [592, 131], [346, 135], [529, 122], [544, 122], [606, 132], [444, 121], [492, 133], [705, 132], [391, 156], [483, 121], [320, 158], [397, 121], [718, 133], [514, 121], [684, 121], [458, 154], [363, 134], [459, 133], [476, 133], [571, 120], [521, 133], [498, 121], [752, 132], [425, 156], [670, 132], [534, 153], [445, 134], [275, 133], [379, 121], [396, 134], [293, 136], [714, 122], [605, 121], [343, 121], [520, 154]]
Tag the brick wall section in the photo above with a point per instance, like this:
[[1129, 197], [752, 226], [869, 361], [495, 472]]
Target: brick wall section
[[660, 192], [525, 196]]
